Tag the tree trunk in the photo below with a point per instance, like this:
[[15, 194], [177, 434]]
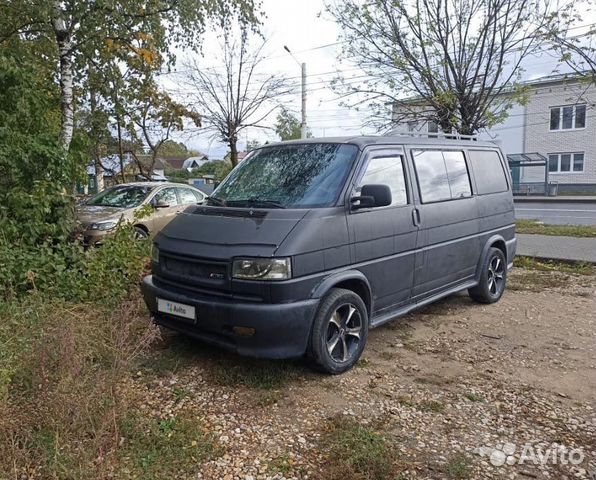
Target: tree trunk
[[64, 43], [120, 150], [99, 183], [233, 152]]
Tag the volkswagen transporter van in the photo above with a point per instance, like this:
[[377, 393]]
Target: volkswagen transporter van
[[308, 244]]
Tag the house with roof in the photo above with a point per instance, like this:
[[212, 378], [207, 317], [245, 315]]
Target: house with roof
[[555, 128], [187, 164]]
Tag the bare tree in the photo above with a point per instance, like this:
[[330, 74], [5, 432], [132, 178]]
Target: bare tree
[[576, 49], [238, 98], [449, 61]]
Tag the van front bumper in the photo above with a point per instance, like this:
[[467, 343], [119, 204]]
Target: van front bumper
[[280, 330]]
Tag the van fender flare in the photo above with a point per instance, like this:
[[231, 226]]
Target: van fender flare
[[336, 278], [487, 245]]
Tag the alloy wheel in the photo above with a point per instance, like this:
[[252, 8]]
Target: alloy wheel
[[496, 276], [344, 332]]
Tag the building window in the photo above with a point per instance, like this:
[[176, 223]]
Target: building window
[[568, 117], [566, 162]]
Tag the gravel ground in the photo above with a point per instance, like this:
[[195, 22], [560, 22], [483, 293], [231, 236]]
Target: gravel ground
[[458, 389]]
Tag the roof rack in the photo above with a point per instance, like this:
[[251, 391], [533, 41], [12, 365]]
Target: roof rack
[[446, 136]]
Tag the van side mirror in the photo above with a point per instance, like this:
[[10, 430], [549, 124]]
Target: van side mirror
[[372, 196]]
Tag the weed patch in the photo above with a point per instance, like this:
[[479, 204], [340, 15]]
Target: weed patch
[[576, 268], [157, 449], [534, 227], [458, 467], [356, 452]]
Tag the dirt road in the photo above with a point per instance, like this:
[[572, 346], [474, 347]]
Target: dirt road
[[456, 390]]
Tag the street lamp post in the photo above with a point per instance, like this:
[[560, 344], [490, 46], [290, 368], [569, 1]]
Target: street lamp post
[[303, 71]]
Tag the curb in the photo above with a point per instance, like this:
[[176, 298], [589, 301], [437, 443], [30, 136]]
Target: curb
[[520, 199]]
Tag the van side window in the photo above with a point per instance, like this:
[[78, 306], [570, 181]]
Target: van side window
[[387, 171], [441, 175], [488, 171]]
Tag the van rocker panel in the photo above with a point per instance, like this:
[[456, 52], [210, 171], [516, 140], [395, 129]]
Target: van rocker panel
[[281, 330]]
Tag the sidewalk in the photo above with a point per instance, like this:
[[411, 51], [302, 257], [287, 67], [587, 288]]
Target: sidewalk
[[557, 248]]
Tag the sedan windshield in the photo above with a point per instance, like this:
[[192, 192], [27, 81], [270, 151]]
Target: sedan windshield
[[285, 176], [124, 196]]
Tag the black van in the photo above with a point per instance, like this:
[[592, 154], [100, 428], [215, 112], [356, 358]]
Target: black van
[[308, 244]]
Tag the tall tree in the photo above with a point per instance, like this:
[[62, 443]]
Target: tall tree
[[75, 30], [455, 57], [288, 127], [237, 97]]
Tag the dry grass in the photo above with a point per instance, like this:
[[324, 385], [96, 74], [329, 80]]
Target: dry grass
[[60, 407]]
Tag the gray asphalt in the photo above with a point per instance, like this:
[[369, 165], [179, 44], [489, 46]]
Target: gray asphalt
[[557, 248], [557, 213]]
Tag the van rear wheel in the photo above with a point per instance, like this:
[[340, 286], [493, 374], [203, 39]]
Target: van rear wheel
[[493, 278], [340, 331]]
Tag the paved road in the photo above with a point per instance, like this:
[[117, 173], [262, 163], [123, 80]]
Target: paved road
[[557, 213], [559, 248]]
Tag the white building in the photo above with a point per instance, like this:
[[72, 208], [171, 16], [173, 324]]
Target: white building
[[558, 122]]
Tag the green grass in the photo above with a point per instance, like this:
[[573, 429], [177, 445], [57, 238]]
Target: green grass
[[576, 268], [252, 373], [154, 449], [281, 465], [534, 227], [458, 467], [356, 452], [474, 397]]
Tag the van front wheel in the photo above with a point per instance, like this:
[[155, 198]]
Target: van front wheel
[[340, 331], [493, 278]]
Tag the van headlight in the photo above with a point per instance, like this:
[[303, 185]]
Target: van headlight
[[262, 268]]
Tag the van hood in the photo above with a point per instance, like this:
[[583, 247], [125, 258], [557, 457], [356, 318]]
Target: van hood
[[87, 214], [215, 231]]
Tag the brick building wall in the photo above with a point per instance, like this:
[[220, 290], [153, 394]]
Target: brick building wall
[[539, 137]]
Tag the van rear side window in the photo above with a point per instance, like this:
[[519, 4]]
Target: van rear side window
[[488, 171], [441, 175]]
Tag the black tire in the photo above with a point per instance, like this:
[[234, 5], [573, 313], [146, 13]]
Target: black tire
[[339, 332], [141, 233], [493, 278]]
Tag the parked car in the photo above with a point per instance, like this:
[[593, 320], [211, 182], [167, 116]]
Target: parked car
[[306, 245], [100, 215]]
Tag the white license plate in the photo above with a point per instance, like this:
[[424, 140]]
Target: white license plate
[[175, 308]]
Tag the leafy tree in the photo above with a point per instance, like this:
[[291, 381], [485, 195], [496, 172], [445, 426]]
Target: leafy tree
[[287, 126], [75, 33], [239, 96], [455, 57], [33, 170], [171, 148], [577, 51]]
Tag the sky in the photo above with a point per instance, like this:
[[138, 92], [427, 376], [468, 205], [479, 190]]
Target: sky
[[312, 36]]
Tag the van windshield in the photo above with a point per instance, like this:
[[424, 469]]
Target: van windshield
[[288, 176]]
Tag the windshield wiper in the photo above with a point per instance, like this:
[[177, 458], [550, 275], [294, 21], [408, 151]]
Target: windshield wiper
[[217, 201], [262, 203]]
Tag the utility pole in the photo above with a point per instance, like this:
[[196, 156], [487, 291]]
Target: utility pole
[[303, 127]]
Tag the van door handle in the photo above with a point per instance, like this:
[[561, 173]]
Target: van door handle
[[416, 217]]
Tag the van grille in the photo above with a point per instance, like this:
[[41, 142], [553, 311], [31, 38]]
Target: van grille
[[194, 271]]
